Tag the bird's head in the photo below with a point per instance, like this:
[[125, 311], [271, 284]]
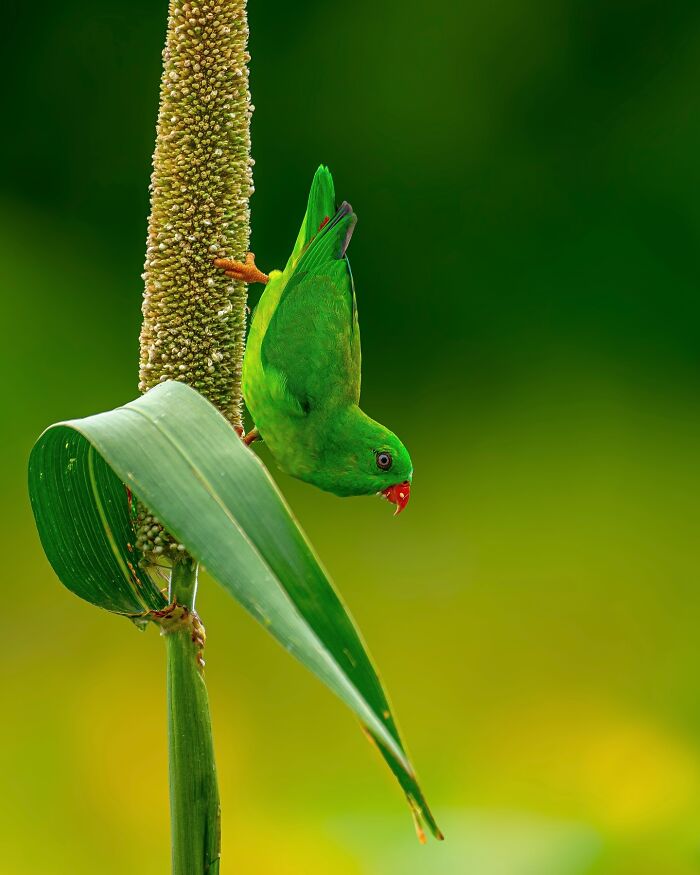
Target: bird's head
[[367, 458], [393, 471]]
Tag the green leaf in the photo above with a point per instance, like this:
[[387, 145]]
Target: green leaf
[[177, 453], [83, 515]]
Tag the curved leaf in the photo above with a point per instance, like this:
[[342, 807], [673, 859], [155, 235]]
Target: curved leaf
[[177, 453], [82, 512]]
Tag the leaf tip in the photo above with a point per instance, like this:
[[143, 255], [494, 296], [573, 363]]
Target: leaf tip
[[422, 814]]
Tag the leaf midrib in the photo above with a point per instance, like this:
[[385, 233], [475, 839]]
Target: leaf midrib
[[107, 528]]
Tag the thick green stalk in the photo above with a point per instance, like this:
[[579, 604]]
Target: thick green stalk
[[194, 796], [194, 331]]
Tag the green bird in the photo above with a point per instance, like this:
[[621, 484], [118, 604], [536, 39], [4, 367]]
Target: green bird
[[301, 371]]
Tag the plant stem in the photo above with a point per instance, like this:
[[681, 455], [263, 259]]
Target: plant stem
[[194, 796], [194, 330]]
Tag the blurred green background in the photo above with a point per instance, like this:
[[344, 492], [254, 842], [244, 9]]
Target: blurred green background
[[526, 177]]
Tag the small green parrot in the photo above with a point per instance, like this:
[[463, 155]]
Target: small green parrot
[[301, 371]]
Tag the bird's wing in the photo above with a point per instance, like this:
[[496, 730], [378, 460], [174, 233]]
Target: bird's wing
[[311, 349]]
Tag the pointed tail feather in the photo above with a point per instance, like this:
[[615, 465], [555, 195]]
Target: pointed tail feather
[[320, 207]]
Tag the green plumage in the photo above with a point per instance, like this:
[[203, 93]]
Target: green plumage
[[301, 372]]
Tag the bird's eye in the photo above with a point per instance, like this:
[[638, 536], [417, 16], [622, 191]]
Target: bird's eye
[[384, 461]]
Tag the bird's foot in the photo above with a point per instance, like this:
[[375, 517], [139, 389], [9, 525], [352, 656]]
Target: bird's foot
[[246, 271], [253, 434]]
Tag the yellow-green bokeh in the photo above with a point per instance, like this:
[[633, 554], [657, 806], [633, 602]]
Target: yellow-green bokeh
[[527, 182]]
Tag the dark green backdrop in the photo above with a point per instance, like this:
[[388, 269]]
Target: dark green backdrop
[[526, 177]]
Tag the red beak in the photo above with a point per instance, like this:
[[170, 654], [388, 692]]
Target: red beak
[[398, 495]]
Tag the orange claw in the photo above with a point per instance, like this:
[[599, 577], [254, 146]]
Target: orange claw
[[246, 271]]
